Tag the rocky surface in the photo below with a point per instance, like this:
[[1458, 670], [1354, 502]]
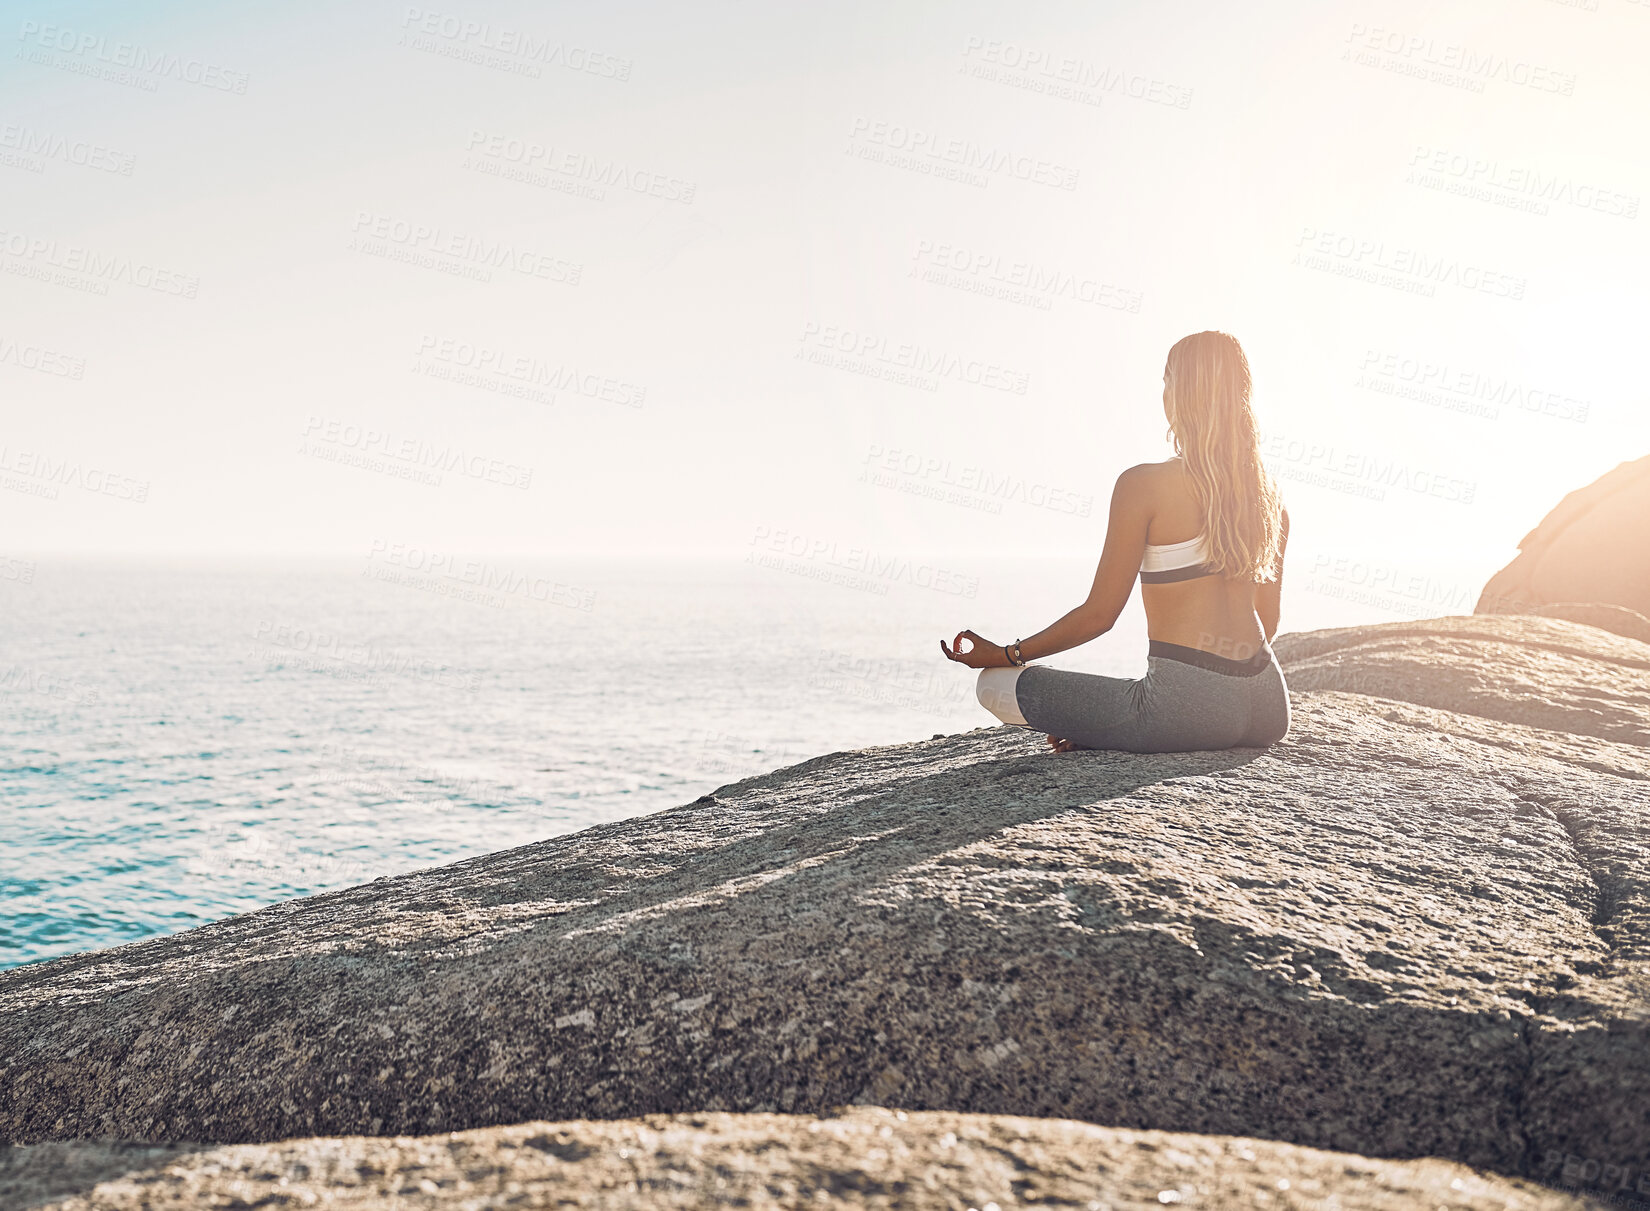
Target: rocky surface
[[1420, 925], [864, 1158], [1593, 547], [1618, 619], [1546, 673]]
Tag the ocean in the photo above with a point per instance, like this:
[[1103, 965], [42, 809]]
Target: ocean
[[188, 741]]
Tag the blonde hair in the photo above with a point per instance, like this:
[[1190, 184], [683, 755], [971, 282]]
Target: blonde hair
[[1214, 431]]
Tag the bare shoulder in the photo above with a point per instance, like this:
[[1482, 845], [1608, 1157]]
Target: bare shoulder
[[1139, 495], [1148, 481], [1150, 474]]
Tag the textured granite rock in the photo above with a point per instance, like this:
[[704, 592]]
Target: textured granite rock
[[1418, 926], [1593, 547], [1566, 677], [1544, 672], [1615, 618], [862, 1158]]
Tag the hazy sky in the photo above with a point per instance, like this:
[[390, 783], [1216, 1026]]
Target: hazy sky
[[857, 276]]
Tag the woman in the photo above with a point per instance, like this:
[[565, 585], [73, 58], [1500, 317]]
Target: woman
[[1205, 531]]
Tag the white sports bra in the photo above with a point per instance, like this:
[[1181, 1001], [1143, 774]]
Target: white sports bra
[[1175, 561]]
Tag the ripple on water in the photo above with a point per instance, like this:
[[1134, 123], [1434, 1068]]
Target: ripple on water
[[186, 743]]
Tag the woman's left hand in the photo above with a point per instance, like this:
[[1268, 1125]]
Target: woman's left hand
[[980, 655]]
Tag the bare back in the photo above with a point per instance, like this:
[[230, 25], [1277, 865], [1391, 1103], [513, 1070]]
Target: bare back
[[1219, 614]]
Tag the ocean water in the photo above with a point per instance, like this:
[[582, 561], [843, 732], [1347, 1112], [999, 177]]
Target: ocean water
[[183, 742]]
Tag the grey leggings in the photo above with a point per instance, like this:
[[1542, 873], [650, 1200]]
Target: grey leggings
[[1189, 699]]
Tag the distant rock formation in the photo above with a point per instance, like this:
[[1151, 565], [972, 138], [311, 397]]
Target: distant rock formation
[[866, 1157], [1593, 547], [1418, 926]]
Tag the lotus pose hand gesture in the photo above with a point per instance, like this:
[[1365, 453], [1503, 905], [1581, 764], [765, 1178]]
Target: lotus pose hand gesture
[[981, 653]]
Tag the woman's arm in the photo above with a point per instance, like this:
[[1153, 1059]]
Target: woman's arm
[[1269, 593], [1131, 515]]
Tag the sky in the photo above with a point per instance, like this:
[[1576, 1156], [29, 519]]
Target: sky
[[640, 280]]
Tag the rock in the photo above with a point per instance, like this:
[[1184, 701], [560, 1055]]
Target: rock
[[863, 1157], [1593, 547], [1615, 618], [1420, 925], [1547, 673]]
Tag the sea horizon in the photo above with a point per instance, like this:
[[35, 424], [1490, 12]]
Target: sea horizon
[[198, 738]]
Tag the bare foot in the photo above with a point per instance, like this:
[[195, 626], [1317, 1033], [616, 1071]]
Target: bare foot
[[1066, 746]]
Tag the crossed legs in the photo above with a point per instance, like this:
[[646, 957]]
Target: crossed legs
[[996, 692]]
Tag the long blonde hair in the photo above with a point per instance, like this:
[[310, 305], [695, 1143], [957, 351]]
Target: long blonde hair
[[1214, 431]]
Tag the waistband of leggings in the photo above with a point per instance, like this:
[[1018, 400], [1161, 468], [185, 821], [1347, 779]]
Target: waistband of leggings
[[1258, 663]]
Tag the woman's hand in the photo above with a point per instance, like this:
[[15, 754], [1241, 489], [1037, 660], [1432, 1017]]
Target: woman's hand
[[980, 655]]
